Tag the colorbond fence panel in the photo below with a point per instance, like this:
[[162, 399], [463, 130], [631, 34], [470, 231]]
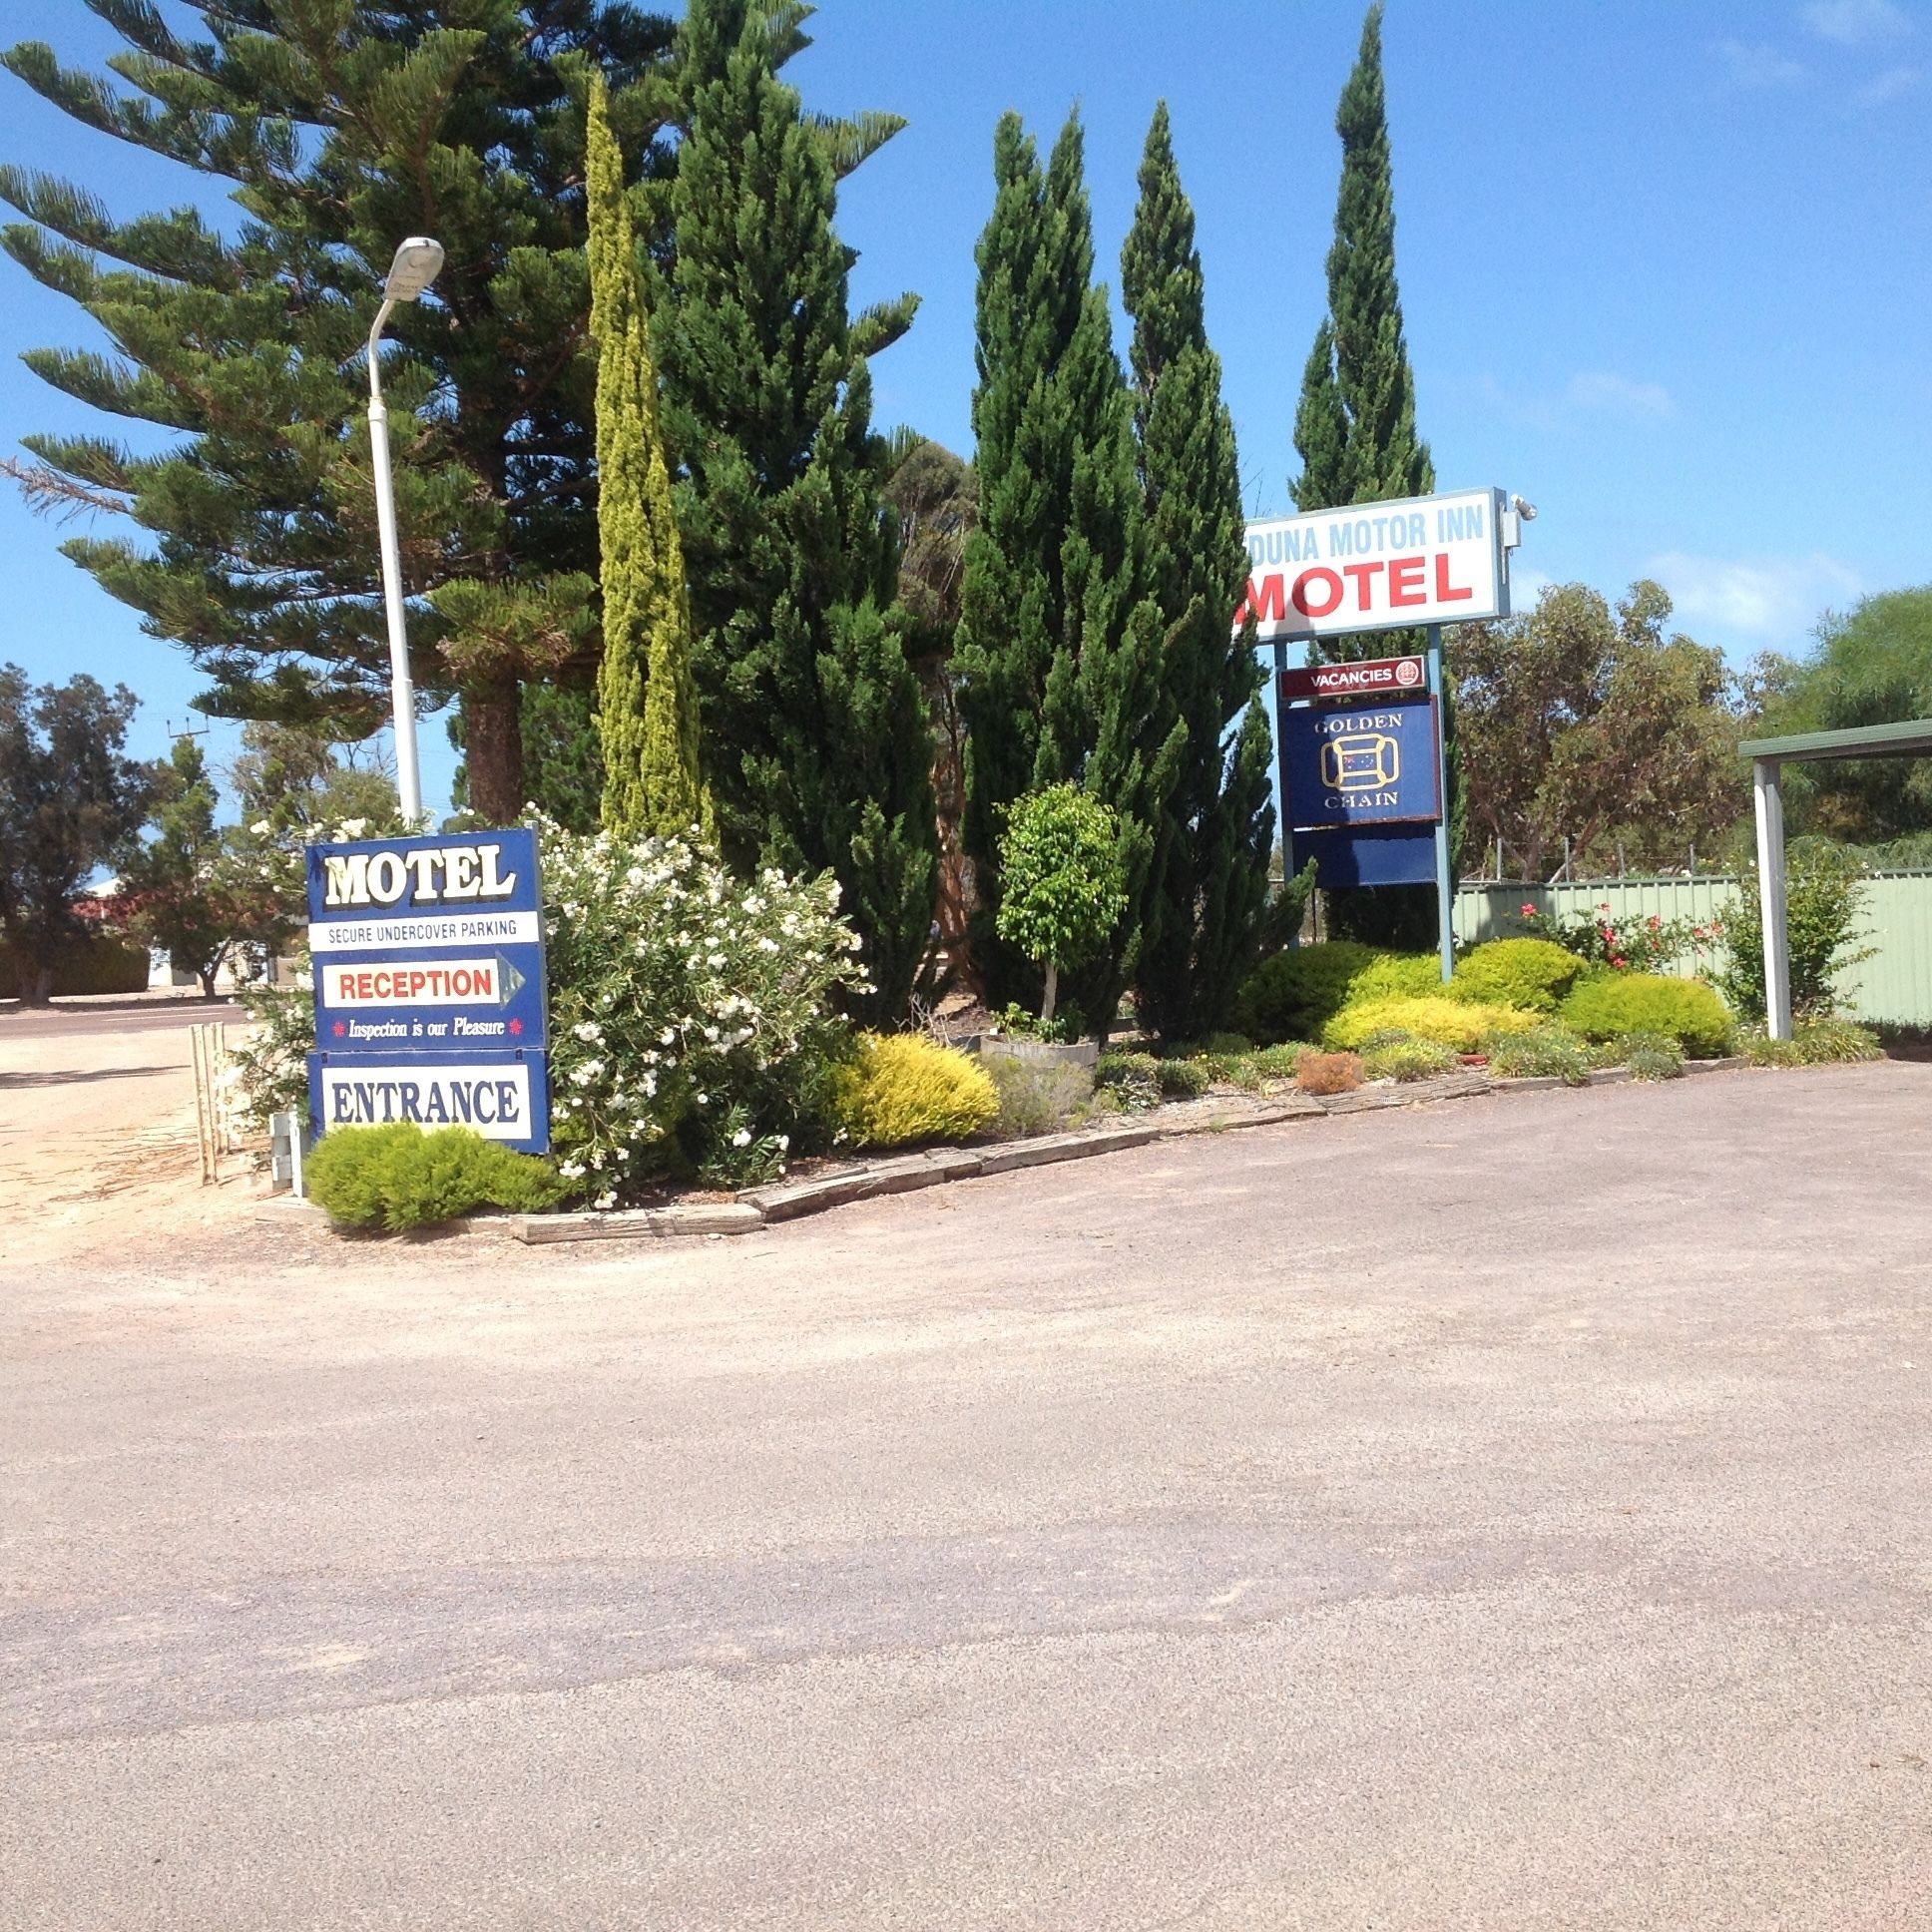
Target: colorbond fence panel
[[1894, 984]]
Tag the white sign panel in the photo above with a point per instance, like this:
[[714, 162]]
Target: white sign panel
[[494, 1099], [1377, 567], [426, 929]]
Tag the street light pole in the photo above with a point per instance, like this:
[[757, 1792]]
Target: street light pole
[[414, 269]]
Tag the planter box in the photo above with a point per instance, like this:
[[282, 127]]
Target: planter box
[[1039, 1053]]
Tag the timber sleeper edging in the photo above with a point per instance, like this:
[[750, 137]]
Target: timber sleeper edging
[[783, 1201]]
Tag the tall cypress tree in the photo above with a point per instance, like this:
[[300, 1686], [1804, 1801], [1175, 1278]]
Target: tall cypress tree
[[1355, 428], [1209, 882], [1355, 425], [1058, 648], [647, 702], [816, 745]]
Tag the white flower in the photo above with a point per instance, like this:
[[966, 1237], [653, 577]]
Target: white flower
[[588, 1030], [742, 1138], [669, 1036], [605, 1200], [261, 828]]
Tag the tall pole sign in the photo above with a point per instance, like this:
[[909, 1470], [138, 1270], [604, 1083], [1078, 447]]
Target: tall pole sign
[[430, 1004], [1361, 769]]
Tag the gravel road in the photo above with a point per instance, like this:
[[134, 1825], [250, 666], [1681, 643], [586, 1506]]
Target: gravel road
[[1504, 1515]]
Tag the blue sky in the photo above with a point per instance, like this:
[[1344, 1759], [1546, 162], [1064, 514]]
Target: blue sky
[[1663, 266]]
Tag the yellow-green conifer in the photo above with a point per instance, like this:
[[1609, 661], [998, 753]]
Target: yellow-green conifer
[[646, 702]]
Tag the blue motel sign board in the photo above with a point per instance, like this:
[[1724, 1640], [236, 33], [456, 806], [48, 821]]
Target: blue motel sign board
[[1368, 765], [1363, 789], [431, 1003]]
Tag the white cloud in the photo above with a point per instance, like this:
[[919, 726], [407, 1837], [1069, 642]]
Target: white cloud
[[1895, 82], [1779, 599], [1750, 64], [1617, 394], [1527, 583], [1852, 23]]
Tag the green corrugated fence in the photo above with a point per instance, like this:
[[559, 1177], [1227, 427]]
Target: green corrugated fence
[[1894, 984]]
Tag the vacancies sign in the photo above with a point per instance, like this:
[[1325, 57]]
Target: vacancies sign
[[430, 1001], [1377, 567]]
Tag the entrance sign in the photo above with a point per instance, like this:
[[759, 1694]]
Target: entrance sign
[[1361, 765], [431, 1003], [1377, 567], [503, 1096], [1373, 678]]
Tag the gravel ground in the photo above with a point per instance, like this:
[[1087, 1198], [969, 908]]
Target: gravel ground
[[1509, 1515]]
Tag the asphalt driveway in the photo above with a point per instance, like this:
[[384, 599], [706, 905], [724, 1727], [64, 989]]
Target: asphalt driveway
[[1514, 1514]]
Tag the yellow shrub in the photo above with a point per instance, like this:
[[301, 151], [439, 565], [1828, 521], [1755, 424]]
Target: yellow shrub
[[902, 1088], [1461, 1024]]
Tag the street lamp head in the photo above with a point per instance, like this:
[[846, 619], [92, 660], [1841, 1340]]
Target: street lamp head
[[418, 262], [1526, 511]]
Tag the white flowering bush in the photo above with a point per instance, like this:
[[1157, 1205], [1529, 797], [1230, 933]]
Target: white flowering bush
[[269, 1063], [691, 1020]]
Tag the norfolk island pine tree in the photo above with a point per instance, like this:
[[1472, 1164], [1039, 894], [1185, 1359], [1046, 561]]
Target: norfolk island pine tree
[[455, 116]]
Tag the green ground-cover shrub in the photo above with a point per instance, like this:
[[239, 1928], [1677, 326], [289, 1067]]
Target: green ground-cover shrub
[[1036, 1097], [1272, 1064], [1534, 975], [1183, 1079], [1607, 1006], [1134, 1079], [1397, 976], [1545, 1053], [1293, 994], [1408, 1060], [1464, 1025], [400, 1177], [1813, 1042], [1649, 1056], [901, 1089]]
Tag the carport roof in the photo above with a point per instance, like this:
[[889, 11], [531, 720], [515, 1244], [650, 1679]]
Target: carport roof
[[1909, 737]]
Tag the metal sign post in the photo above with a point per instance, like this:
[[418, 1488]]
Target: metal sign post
[[1445, 888]]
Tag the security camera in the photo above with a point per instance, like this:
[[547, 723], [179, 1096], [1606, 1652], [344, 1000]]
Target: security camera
[[1526, 511]]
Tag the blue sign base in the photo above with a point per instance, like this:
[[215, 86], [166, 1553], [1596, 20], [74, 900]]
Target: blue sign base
[[1369, 856]]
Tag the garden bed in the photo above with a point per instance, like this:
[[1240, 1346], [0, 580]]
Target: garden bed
[[816, 1187], [839, 1184]]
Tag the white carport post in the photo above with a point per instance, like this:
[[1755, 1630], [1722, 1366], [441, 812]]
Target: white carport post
[[1769, 801]]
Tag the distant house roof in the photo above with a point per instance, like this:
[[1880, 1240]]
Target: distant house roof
[[1910, 737]]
